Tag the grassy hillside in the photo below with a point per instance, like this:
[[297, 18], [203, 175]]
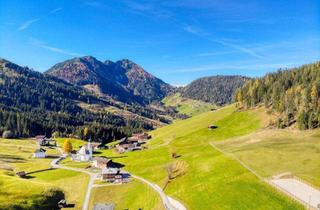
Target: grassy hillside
[[273, 152], [16, 155], [134, 195], [208, 179], [187, 106]]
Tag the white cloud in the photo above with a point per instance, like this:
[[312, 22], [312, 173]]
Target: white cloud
[[54, 10], [239, 48], [27, 24], [207, 54], [43, 45]]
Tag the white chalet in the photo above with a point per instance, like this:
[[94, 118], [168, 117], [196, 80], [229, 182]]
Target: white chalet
[[39, 153]]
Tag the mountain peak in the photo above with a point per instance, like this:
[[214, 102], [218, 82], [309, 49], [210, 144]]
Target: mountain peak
[[112, 78], [88, 58]]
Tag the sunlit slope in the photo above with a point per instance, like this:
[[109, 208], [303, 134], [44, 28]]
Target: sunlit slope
[[133, 195], [16, 155], [186, 105], [273, 152], [209, 179]]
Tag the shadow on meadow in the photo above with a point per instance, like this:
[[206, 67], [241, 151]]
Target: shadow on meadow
[[12, 159]]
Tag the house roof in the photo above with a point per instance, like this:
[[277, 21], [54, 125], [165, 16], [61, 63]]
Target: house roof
[[40, 137], [110, 171], [39, 150], [101, 159], [100, 206], [84, 150]]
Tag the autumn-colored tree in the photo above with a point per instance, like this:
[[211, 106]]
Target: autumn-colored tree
[[314, 94], [86, 133], [67, 146]]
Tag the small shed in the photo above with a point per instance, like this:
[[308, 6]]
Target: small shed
[[21, 174], [212, 126], [39, 153]]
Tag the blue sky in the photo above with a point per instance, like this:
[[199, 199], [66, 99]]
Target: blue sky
[[176, 40]]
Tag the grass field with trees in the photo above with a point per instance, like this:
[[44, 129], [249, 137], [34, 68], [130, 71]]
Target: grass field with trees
[[16, 155]]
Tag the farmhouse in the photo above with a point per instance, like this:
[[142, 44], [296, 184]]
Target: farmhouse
[[39, 153], [43, 141], [128, 146], [84, 154], [101, 162], [114, 175], [139, 137]]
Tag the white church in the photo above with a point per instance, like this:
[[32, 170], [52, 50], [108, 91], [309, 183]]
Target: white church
[[84, 154]]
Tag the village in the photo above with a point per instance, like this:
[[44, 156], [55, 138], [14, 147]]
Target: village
[[104, 169]]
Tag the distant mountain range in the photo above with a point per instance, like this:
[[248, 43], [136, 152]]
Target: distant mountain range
[[123, 80]]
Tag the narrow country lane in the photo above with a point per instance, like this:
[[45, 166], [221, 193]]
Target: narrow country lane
[[168, 202]]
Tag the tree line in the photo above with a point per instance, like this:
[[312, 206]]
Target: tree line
[[294, 93], [216, 89], [32, 104]]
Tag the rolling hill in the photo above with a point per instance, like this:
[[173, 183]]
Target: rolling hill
[[203, 177], [218, 90]]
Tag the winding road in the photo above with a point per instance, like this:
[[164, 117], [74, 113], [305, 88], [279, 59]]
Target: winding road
[[168, 202]]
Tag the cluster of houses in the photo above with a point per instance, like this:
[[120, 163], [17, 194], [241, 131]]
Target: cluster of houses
[[135, 142], [42, 141], [110, 171]]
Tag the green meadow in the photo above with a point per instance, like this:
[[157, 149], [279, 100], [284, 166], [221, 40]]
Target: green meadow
[[133, 195], [186, 105], [206, 179], [273, 152], [16, 155], [201, 177]]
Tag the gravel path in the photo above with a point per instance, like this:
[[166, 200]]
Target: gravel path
[[168, 202], [296, 189], [93, 176], [300, 190]]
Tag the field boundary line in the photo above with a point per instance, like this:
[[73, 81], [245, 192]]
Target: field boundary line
[[260, 177]]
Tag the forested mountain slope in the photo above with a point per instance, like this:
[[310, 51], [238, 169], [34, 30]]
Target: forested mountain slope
[[123, 80], [216, 89], [32, 103], [294, 93]]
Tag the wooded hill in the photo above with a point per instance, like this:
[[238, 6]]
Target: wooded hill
[[33, 103], [123, 80], [216, 89], [294, 93]]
